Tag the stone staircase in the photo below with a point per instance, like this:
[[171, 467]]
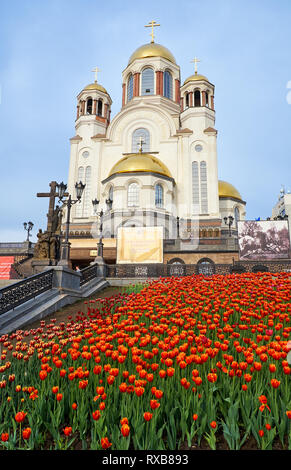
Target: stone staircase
[[59, 295]]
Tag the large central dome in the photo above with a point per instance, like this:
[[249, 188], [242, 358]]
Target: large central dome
[[140, 162], [152, 50]]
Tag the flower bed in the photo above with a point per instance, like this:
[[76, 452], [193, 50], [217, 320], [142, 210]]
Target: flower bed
[[184, 363]]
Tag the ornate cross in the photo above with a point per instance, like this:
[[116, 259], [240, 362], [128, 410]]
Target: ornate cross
[[195, 60], [152, 24], [96, 70], [141, 142]]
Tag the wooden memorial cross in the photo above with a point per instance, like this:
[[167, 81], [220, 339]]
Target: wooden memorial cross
[[52, 196]]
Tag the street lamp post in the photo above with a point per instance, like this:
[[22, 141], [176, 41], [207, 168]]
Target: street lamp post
[[28, 226], [229, 221], [100, 214], [69, 202]]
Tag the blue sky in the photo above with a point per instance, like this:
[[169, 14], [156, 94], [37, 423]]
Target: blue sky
[[49, 47]]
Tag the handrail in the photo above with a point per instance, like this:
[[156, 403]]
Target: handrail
[[88, 273], [19, 292]]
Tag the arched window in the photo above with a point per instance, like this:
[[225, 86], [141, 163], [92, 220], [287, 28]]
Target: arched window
[[79, 205], [197, 98], [187, 100], [195, 188], [89, 106], [136, 135], [168, 85], [203, 188], [130, 88], [147, 82], [133, 195], [99, 108], [236, 215], [159, 195]]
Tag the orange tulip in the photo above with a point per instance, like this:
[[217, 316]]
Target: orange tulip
[[125, 429], [147, 416], [20, 416], [67, 431], [105, 444], [26, 433]]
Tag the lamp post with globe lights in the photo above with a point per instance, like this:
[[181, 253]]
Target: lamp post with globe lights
[[229, 221], [28, 226], [68, 202], [100, 215]]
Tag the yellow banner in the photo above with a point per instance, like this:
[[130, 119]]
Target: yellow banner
[[140, 245]]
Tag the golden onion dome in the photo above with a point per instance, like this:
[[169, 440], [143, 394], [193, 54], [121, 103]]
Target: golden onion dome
[[228, 190], [140, 162], [152, 50], [195, 77], [96, 86]]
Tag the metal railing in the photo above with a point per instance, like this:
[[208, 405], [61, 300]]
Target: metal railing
[[88, 273], [157, 270], [16, 294], [179, 269]]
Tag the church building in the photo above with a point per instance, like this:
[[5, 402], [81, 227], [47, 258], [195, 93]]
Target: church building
[[153, 164]]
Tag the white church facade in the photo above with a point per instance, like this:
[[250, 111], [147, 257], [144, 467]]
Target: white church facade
[[154, 163]]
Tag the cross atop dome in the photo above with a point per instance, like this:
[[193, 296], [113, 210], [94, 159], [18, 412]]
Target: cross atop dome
[[152, 24], [96, 70], [195, 61]]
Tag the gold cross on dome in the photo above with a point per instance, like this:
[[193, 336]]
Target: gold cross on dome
[[96, 70], [141, 142], [152, 24], [195, 60]]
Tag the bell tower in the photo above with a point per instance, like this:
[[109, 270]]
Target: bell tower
[[198, 115], [94, 108], [152, 76]]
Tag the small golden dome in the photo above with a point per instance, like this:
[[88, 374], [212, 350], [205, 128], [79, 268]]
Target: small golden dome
[[152, 50], [96, 86], [228, 190], [196, 77], [140, 162]]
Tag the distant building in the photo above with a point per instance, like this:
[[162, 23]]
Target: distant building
[[282, 209]]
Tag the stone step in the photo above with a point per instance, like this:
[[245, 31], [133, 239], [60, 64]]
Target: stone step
[[45, 304]]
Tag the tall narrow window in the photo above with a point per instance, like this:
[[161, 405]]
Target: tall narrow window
[[147, 82], [207, 98], [159, 195], [203, 188], [130, 88], [187, 100], [79, 205], [197, 98], [110, 193], [89, 106], [136, 136], [87, 204], [133, 195], [168, 85], [195, 188], [99, 108], [236, 215]]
